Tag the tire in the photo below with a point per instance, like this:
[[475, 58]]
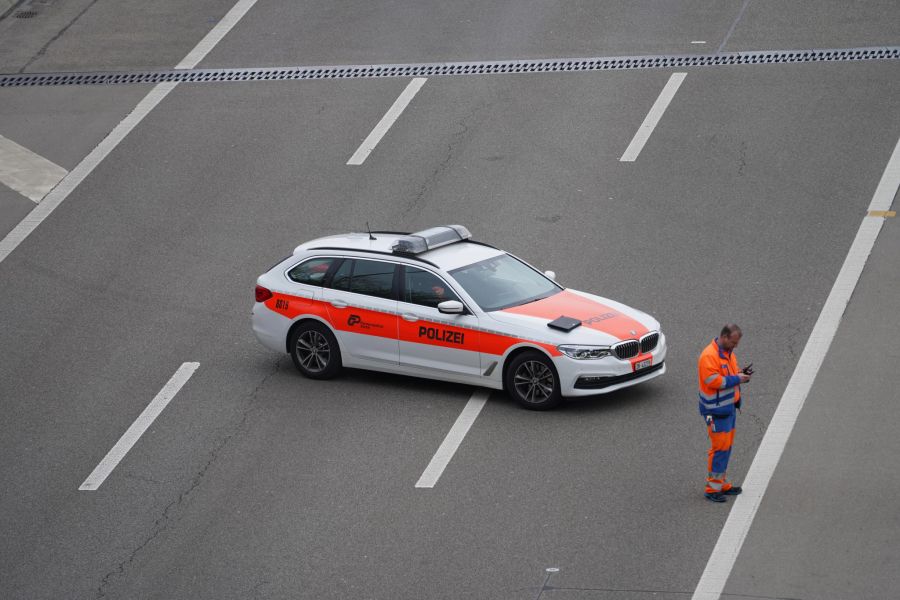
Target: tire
[[532, 381], [315, 350]]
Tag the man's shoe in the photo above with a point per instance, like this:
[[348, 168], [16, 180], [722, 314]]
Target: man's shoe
[[733, 490], [715, 496]]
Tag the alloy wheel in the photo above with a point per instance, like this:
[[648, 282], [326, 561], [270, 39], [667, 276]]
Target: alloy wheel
[[534, 381], [313, 351]]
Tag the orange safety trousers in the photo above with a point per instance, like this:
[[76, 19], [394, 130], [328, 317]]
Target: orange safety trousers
[[721, 438]]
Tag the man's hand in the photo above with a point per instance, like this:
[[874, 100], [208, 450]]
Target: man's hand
[[744, 377]]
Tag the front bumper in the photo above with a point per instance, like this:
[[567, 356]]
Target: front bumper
[[591, 377]]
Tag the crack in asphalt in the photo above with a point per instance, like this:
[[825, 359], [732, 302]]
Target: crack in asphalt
[[757, 421], [162, 522], [58, 35], [445, 163], [791, 340]]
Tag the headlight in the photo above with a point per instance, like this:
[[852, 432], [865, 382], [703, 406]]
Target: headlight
[[584, 352]]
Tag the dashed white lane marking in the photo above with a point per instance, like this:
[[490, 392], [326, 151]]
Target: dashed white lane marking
[[653, 117], [216, 34], [65, 187], [454, 438], [698, 41], [386, 121], [733, 25], [726, 551], [140, 425], [28, 173], [71, 181]]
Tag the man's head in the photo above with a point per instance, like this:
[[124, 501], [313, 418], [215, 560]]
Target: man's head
[[730, 336]]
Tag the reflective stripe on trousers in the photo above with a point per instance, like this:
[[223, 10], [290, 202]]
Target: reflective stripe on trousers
[[721, 438]]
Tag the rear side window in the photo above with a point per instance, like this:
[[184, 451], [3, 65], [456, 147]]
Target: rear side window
[[424, 288], [341, 279], [311, 272], [372, 278], [369, 277]]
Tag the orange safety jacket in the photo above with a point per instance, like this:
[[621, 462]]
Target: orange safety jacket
[[717, 371]]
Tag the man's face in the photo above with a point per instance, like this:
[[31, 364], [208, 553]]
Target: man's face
[[730, 342]]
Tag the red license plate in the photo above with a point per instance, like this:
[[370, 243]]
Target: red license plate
[[643, 364]]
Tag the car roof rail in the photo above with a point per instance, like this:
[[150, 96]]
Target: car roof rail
[[381, 252]]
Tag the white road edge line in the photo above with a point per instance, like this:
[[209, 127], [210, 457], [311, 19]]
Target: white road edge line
[[653, 117], [386, 121], [140, 425], [718, 569], [28, 173], [71, 181], [454, 438]]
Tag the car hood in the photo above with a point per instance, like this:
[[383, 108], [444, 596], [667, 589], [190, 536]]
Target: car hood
[[603, 321]]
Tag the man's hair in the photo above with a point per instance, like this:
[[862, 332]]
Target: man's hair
[[730, 328]]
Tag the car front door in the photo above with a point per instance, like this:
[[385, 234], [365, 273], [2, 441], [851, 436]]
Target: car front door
[[362, 309], [429, 339]]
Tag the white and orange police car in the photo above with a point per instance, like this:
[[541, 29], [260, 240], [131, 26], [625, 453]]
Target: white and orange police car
[[437, 304]]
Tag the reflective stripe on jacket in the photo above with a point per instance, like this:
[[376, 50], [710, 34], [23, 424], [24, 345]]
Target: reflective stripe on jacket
[[718, 378]]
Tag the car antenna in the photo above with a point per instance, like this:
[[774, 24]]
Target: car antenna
[[371, 237]]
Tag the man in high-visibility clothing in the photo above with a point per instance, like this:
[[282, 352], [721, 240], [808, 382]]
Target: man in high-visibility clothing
[[720, 396]]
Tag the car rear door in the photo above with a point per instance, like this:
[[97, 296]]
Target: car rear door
[[362, 308], [430, 340]]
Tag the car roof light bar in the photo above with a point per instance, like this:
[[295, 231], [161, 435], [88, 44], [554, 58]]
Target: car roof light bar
[[429, 239]]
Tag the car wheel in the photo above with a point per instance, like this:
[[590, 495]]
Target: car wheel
[[532, 381], [315, 351]]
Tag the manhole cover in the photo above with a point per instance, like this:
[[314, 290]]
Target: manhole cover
[[25, 14]]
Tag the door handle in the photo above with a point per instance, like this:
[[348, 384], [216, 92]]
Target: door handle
[[409, 317], [339, 304]]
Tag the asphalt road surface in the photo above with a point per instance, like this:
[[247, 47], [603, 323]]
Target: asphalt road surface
[[256, 483]]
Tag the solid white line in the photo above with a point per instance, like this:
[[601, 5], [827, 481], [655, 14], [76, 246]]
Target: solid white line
[[726, 551], [216, 34], [454, 438], [140, 425], [28, 173], [386, 121], [109, 143], [653, 117]]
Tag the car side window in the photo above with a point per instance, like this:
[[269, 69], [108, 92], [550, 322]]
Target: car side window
[[341, 279], [372, 277], [425, 288], [311, 272]]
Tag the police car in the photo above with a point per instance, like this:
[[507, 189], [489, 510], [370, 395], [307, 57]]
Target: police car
[[440, 305]]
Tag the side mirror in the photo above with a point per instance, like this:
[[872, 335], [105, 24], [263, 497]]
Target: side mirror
[[451, 307], [550, 275]]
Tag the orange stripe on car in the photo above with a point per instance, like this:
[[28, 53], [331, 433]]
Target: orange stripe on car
[[382, 324], [591, 313]]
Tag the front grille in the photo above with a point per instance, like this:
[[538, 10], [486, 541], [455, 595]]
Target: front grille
[[597, 383], [627, 349], [649, 342]]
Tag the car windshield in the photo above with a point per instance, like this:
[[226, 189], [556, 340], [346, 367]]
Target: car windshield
[[503, 281]]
